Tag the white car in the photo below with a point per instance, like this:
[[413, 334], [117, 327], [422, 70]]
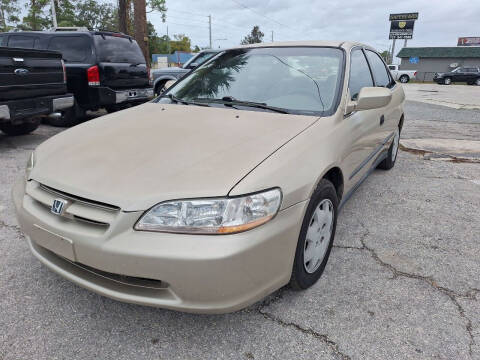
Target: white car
[[403, 76]]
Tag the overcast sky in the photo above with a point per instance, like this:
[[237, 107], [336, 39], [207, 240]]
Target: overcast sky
[[440, 22]]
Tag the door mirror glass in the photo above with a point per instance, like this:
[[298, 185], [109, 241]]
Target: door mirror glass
[[192, 65], [373, 98]]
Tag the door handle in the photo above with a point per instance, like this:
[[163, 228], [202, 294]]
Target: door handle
[[382, 120]]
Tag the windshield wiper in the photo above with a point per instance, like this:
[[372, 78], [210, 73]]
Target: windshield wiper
[[175, 99], [228, 100]]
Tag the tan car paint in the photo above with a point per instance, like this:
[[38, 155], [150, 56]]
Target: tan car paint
[[204, 152]]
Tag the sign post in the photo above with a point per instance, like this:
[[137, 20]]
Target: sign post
[[401, 27]]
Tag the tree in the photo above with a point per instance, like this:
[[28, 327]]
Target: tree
[[96, 15], [255, 36], [181, 42], [140, 21], [38, 17], [8, 14], [385, 55]]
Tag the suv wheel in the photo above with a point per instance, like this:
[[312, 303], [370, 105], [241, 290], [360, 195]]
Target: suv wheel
[[447, 81], [20, 129], [404, 79], [389, 161], [316, 237], [477, 82]]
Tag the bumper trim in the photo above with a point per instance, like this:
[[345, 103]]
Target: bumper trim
[[4, 112], [62, 103]]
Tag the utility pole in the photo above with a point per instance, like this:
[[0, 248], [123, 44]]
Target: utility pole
[[54, 14], [405, 43], [140, 21], [272, 35], [210, 29]]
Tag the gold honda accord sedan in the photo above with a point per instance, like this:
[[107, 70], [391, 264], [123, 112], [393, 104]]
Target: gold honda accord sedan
[[222, 190]]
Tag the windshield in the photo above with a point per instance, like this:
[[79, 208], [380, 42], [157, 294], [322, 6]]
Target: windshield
[[297, 79], [118, 49], [458, 69]]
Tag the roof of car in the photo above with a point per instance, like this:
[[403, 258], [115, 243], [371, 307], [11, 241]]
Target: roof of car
[[315, 43]]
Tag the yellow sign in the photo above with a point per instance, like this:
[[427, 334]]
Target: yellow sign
[[401, 24]]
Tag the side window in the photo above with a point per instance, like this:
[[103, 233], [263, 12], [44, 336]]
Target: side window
[[73, 48], [359, 73], [1, 40], [378, 68], [21, 41], [391, 67]]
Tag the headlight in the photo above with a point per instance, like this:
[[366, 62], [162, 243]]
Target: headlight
[[30, 164], [212, 216]]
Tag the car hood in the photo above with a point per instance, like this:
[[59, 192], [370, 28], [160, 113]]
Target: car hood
[[154, 152]]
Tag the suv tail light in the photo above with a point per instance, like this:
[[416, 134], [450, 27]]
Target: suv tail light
[[150, 76], [64, 72], [93, 76], [415, 73]]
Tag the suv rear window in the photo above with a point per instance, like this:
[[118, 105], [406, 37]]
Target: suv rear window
[[21, 41], [73, 48], [118, 49]]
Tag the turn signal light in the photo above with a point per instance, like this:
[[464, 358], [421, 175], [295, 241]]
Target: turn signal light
[[93, 76]]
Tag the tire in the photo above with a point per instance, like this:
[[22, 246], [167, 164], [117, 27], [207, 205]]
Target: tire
[[477, 82], [447, 81], [404, 79], [20, 129], [389, 161], [160, 87], [111, 108], [70, 117], [315, 235]]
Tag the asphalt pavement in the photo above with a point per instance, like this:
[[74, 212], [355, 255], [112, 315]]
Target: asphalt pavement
[[402, 281]]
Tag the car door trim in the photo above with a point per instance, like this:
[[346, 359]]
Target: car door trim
[[369, 157]]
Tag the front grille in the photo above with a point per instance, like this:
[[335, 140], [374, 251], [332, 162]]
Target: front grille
[[90, 214]]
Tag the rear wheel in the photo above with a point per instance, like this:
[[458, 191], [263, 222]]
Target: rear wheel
[[20, 129], [389, 161], [477, 82], [404, 79], [160, 87], [447, 81], [316, 237]]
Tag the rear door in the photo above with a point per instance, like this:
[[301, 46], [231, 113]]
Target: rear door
[[121, 62], [30, 73]]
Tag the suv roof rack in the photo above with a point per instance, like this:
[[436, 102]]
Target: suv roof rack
[[69, 28]]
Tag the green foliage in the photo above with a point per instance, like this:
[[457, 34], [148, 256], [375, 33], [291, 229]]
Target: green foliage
[[38, 15], [8, 14], [181, 43], [385, 55], [255, 36]]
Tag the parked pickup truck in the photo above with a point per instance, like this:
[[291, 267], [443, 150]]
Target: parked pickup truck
[[403, 76], [32, 84]]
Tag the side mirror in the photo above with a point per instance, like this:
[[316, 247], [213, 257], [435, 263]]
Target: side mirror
[[168, 84], [192, 65], [372, 98]]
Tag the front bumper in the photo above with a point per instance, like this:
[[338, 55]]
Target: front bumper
[[192, 273], [16, 111], [109, 96]]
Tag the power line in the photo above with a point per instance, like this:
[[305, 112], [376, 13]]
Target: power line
[[260, 14]]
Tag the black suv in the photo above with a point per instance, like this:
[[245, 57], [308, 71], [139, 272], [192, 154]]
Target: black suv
[[104, 69], [470, 75]]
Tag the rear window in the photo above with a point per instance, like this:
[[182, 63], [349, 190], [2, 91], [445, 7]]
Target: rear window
[[118, 50], [73, 48], [21, 41]]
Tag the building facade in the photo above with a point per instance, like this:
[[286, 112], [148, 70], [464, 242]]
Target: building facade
[[429, 60]]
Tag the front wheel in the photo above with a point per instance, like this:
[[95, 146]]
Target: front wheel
[[316, 237], [477, 82], [389, 161], [447, 81], [20, 129], [404, 79]]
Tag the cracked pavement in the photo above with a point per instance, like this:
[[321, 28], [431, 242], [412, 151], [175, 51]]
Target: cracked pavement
[[402, 281]]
